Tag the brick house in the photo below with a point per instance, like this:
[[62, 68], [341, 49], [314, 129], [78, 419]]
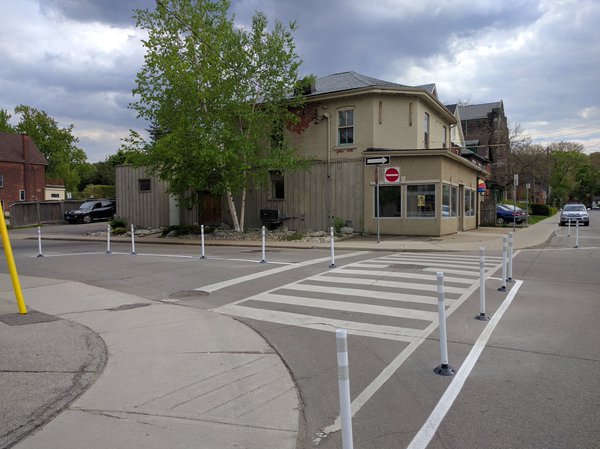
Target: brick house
[[485, 129], [22, 169]]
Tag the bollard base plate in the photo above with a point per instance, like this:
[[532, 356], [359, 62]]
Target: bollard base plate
[[482, 317], [263, 261], [331, 265], [108, 252], [503, 289], [41, 255], [444, 370], [203, 257]]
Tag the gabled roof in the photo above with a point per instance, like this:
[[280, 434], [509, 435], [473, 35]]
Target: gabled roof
[[11, 149], [476, 111], [344, 81]]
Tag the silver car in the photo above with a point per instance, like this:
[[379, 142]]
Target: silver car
[[574, 213]]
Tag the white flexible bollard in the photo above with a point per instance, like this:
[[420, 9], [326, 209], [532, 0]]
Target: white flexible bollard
[[482, 316], [577, 234], [332, 264], [264, 245], [569, 223], [503, 286], [509, 277], [133, 241], [344, 387], [108, 230], [202, 253], [444, 369], [40, 242]]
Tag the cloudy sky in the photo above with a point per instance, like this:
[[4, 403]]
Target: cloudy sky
[[77, 59]]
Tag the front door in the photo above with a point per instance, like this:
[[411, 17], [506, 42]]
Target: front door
[[209, 209]]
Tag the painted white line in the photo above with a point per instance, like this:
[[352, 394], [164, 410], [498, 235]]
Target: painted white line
[[367, 294], [250, 260], [395, 274], [424, 436], [347, 306], [72, 254], [320, 323], [431, 262], [379, 283], [251, 277]]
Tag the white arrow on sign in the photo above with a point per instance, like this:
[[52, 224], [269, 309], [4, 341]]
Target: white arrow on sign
[[382, 160]]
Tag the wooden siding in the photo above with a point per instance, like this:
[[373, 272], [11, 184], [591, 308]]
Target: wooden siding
[[306, 194], [142, 209]]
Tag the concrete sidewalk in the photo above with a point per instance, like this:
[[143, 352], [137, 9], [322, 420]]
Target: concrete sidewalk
[[160, 375], [175, 376]]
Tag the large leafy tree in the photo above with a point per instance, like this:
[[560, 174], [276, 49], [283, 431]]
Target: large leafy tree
[[567, 160], [216, 97], [57, 144]]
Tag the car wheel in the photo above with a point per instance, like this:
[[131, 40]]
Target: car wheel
[[87, 219], [500, 220]]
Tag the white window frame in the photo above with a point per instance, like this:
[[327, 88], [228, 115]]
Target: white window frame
[[469, 202], [445, 137], [452, 202], [342, 118], [426, 125], [22, 195], [410, 198], [398, 212]]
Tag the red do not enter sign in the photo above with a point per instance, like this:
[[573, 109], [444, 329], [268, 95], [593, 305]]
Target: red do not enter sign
[[392, 175]]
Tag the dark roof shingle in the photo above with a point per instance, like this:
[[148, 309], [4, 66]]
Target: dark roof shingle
[[11, 149]]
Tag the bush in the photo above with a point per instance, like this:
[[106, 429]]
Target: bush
[[98, 191], [541, 209], [338, 224], [119, 231], [292, 237], [118, 222], [180, 230]]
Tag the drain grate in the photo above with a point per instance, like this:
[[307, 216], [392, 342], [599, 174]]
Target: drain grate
[[188, 294]]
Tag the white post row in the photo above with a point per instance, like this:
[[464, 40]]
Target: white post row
[[108, 229], [202, 253], [264, 251], [482, 316], [509, 277], [39, 232], [444, 369], [332, 238], [502, 287], [344, 387], [133, 241]]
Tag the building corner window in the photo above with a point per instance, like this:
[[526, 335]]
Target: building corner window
[[346, 127]]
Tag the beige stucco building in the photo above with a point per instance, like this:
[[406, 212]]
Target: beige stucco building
[[350, 121]]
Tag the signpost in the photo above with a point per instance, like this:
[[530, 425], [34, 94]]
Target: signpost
[[377, 161]]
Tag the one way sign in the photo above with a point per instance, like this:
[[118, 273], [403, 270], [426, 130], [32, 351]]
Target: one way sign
[[379, 160]]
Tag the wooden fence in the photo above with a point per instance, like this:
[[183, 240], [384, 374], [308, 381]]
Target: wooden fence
[[27, 213]]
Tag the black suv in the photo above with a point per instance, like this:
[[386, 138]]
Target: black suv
[[92, 210]]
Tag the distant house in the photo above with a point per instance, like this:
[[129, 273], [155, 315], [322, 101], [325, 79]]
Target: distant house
[[351, 121], [485, 129], [22, 170]]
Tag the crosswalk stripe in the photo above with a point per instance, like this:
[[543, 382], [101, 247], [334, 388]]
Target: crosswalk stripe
[[446, 262], [325, 324], [373, 294], [445, 256], [371, 309], [379, 283], [394, 274]]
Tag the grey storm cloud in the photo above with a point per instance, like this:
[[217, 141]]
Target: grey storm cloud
[[541, 57]]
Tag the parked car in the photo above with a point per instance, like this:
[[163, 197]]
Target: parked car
[[573, 213], [507, 213], [92, 210]]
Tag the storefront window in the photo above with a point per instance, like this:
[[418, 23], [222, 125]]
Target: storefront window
[[449, 201], [390, 201], [469, 203], [420, 201]]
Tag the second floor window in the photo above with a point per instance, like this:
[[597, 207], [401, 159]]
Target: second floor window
[[346, 127], [1, 180], [444, 138], [426, 130]]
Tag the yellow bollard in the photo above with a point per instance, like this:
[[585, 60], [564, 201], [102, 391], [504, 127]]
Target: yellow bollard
[[11, 265]]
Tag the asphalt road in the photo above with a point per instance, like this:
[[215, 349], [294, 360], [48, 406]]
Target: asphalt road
[[533, 386]]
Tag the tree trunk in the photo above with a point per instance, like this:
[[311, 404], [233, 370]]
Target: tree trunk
[[232, 211], [243, 210]]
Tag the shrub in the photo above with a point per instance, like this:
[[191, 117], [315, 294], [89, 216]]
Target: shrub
[[338, 224], [542, 209], [119, 231], [180, 230], [118, 222], [294, 236]]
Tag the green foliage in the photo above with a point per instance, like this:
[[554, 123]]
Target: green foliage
[[97, 191], [118, 222], [215, 96], [540, 209], [180, 230], [119, 231], [5, 126], [58, 145], [338, 224], [293, 237]]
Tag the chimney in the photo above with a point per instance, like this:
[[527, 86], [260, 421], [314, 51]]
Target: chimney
[[25, 146]]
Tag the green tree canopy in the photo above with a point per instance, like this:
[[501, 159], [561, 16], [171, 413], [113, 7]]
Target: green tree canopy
[[217, 97]]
